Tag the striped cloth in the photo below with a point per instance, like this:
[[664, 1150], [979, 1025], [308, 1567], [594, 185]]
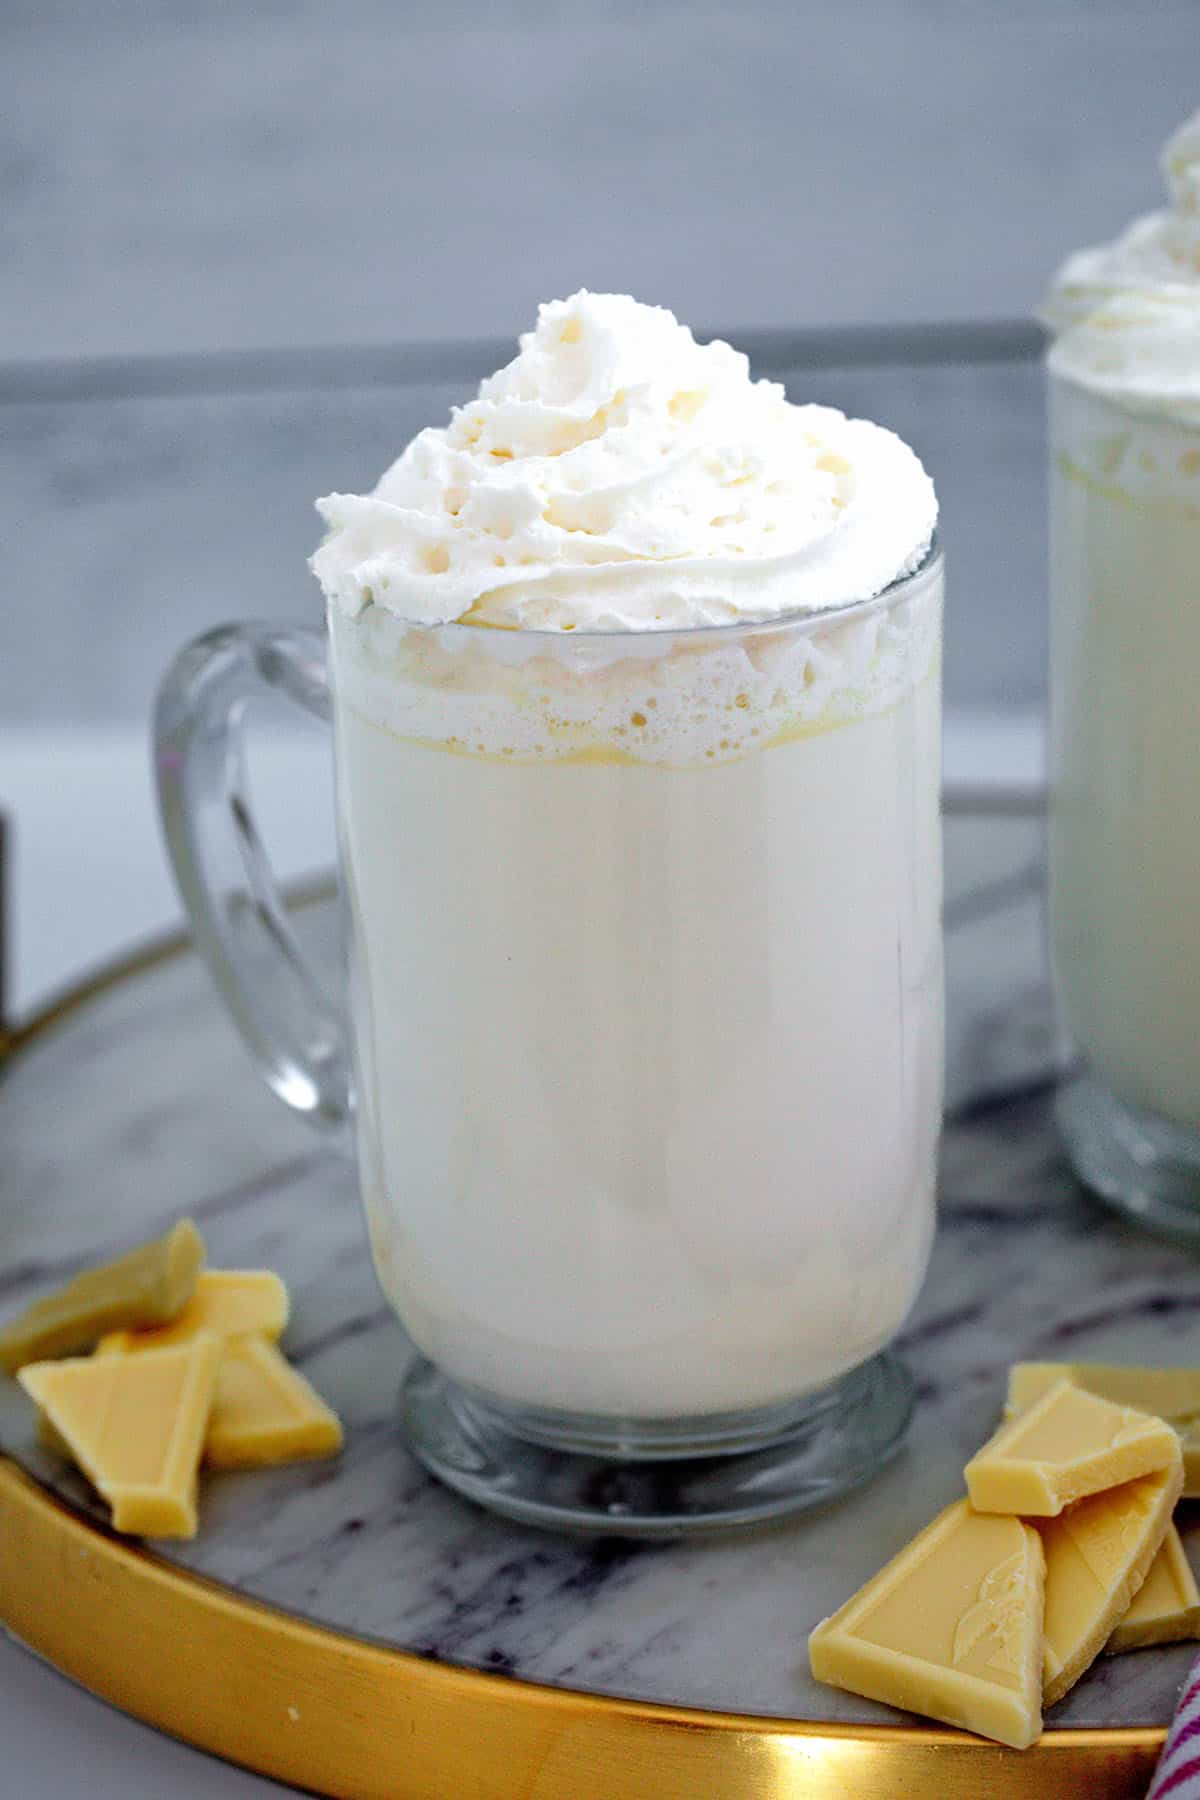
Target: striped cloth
[[1178, 1773]]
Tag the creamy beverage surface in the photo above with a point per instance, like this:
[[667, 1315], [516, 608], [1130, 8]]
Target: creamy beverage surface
[[1125, 578], [642, 854]]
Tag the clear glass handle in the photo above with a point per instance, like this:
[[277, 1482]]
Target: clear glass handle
[[294, 1032]]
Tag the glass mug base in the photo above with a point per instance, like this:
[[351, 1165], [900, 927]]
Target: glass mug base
[[647, 1479], [1142, 1166]]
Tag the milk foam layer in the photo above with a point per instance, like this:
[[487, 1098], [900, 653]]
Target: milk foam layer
[[1128, 313], [617, 475], [675, 700]]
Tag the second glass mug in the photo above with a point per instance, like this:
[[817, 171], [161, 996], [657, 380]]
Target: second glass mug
[[644, 1042], [1125, 759]]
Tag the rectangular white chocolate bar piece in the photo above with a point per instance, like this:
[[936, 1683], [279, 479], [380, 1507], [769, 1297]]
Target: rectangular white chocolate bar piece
[[226, 1302], [146, 1287], [1069, 1444], [264, 1411], [1098, 1553], [952, 1628], [1171, 1394], [136, 1426], [1166, 1608]]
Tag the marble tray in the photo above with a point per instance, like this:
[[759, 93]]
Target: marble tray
[[136, 1104]]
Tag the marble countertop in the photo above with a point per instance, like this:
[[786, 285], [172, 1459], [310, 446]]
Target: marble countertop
[[1024, 1266]]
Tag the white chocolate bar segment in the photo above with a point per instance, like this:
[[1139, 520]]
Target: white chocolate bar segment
[[226, 1302], [1098, 1554], [1166, 1608], [952, 1628], [265, 1412], [1069, 1444], [136, 1426], [1170, 1393], [146, 1287]]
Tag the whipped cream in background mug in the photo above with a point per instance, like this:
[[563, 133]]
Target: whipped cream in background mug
[[635, 672], [1124, 384], [1126, 315]]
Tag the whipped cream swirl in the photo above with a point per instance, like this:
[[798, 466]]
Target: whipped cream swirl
[[1127, 314], [617, 475]]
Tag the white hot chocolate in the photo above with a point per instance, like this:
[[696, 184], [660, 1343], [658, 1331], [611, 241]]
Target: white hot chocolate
[[1125, 579], [642, 854]]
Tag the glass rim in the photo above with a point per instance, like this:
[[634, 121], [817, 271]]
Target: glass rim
[[814, 616]]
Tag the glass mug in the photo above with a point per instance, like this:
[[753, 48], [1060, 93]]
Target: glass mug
[[1124, 812], [643, 1046]]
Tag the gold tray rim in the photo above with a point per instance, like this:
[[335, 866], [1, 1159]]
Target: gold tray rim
[[215, 1668]]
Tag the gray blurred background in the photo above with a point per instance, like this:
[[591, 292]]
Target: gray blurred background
[[193, 175], [218, 221], [248, 249]]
